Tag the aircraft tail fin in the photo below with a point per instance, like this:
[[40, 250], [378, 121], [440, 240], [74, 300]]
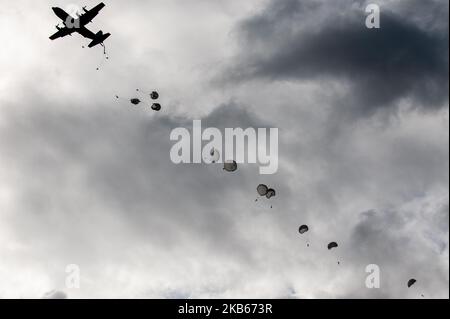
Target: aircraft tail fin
[[99, 38]]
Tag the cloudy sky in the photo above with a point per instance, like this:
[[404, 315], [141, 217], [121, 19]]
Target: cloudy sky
[[363, 119]]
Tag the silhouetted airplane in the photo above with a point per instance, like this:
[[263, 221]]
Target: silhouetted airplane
[[78, 24]]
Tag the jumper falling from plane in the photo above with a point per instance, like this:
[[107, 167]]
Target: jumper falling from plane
[[78, 25]]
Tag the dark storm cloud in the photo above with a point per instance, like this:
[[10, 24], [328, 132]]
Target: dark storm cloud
[[402, 59], [389, 239]]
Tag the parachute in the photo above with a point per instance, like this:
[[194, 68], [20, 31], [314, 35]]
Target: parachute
[[332, 245], [270, 193], [135, 101], [303, 229], [262, 189], [154, 95], [411, 282], [105, 57], [156, 107], [230, 166]]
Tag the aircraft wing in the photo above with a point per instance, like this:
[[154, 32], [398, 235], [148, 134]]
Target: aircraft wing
[[86, 33], [62, 33], [91, 14]]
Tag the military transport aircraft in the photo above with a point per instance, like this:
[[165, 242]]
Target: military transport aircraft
[[78, 24]]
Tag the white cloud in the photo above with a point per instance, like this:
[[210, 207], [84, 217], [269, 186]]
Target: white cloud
[[87, 180]]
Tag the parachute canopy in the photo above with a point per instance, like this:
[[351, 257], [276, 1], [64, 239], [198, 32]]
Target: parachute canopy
[[270, 193], [262, 189], [230, 166], [135, 101], [332, 245], [411, 282], [303, 229], [154, 95], [156, 107]]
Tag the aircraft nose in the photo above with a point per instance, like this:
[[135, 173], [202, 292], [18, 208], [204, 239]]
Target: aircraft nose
[[60, 13], [57, 9]]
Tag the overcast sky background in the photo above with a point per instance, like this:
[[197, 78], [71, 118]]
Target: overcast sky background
[[363, 124]]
